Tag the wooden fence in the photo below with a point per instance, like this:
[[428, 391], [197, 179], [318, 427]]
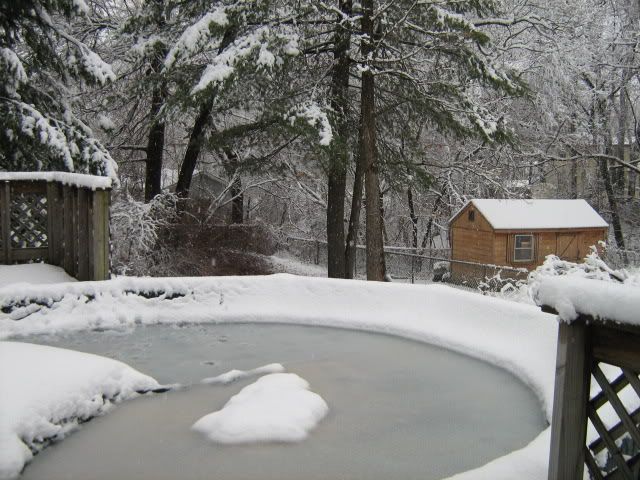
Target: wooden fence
[[57, 223], [586, 349]]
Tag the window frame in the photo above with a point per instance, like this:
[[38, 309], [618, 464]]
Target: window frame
[[471, 215], [516, 248]]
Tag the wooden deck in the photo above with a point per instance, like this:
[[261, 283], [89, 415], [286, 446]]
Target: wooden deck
[[59, 224]]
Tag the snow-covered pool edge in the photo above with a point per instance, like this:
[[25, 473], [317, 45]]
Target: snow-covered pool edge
[[519, 338]]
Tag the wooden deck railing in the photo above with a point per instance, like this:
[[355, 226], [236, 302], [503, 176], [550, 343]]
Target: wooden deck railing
[[56, 222], [585, 347]]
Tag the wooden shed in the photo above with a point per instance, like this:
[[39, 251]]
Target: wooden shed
[[521, 233]]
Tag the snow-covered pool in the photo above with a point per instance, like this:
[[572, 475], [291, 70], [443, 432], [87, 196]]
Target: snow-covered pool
[[397, 408]]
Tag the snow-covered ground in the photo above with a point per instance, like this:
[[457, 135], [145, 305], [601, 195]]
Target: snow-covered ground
[[517, 337], [284, 262], [34, 273], [47, 392]]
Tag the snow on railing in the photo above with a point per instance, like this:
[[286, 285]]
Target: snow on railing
[[80, 180]]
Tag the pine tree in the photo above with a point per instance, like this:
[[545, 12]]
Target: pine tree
[[42, 64]]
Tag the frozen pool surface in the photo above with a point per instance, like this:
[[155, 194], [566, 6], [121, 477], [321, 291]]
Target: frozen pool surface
[[398, 408]]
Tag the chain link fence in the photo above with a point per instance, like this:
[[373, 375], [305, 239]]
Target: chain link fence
[[427, 266]]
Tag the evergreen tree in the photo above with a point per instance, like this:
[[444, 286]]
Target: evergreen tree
[[41, 63]]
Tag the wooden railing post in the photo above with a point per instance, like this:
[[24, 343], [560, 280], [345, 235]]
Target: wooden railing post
[[569, 422], [68, 229], [100, 237], [55, 213], [83, 234], [5, 227]]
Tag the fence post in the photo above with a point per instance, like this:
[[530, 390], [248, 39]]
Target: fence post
[[100, 240], [569, 422], [68, 229], [412, 269], [83, 234], [5, 228], [317, 252]]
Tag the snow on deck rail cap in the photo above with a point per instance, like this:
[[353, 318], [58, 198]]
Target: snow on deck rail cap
[[512, 214], [571, 297], [94, 182]]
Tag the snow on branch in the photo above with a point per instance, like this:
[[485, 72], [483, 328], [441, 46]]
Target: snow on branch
[[64, 141], [315, 117], [196, 36], [271, 43], [10, 63]]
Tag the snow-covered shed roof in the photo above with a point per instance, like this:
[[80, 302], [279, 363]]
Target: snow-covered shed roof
[[538, 214]]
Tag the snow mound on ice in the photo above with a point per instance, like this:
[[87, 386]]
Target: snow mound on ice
[[233, 375], [47, 392], [276, 408]]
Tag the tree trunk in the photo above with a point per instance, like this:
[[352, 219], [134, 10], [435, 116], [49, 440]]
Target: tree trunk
[[611, 198], [339, 158], [237, 204], [613, 204], [414, 220], [427, 235], [155, 142], [231, 166], [368, 156], [622, 132], [196, 138], [351, 252], [193, 150]]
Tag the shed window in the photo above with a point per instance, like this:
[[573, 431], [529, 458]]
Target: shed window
[[523, 248], [472, 215]]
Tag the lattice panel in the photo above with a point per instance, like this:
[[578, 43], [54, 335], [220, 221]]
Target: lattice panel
[[28, 220], [615, 454]]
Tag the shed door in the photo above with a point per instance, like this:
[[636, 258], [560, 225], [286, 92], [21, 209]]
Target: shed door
[[567, 246]]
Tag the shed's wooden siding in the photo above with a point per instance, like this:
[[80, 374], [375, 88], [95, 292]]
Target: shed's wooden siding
[[478, 242], [472, 241]]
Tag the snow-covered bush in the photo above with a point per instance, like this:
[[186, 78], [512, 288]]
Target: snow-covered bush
[[135, 231], [441, 271], [593, 267], [508, 288]]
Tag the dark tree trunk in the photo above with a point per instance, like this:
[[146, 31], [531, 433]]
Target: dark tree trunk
[[608, 185], [573, 180], [414, 220], [155, 142], [337, 171], [196, 138], [231, 167], [237, 204], [192, 153], [613, 204], [368, 156], [351, 251], [436, 205]]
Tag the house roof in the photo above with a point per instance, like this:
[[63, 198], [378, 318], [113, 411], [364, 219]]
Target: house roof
[[536, 214]]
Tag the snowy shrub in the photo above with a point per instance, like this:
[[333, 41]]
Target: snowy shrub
[[135, 231], [593, 268], [441, 271]]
